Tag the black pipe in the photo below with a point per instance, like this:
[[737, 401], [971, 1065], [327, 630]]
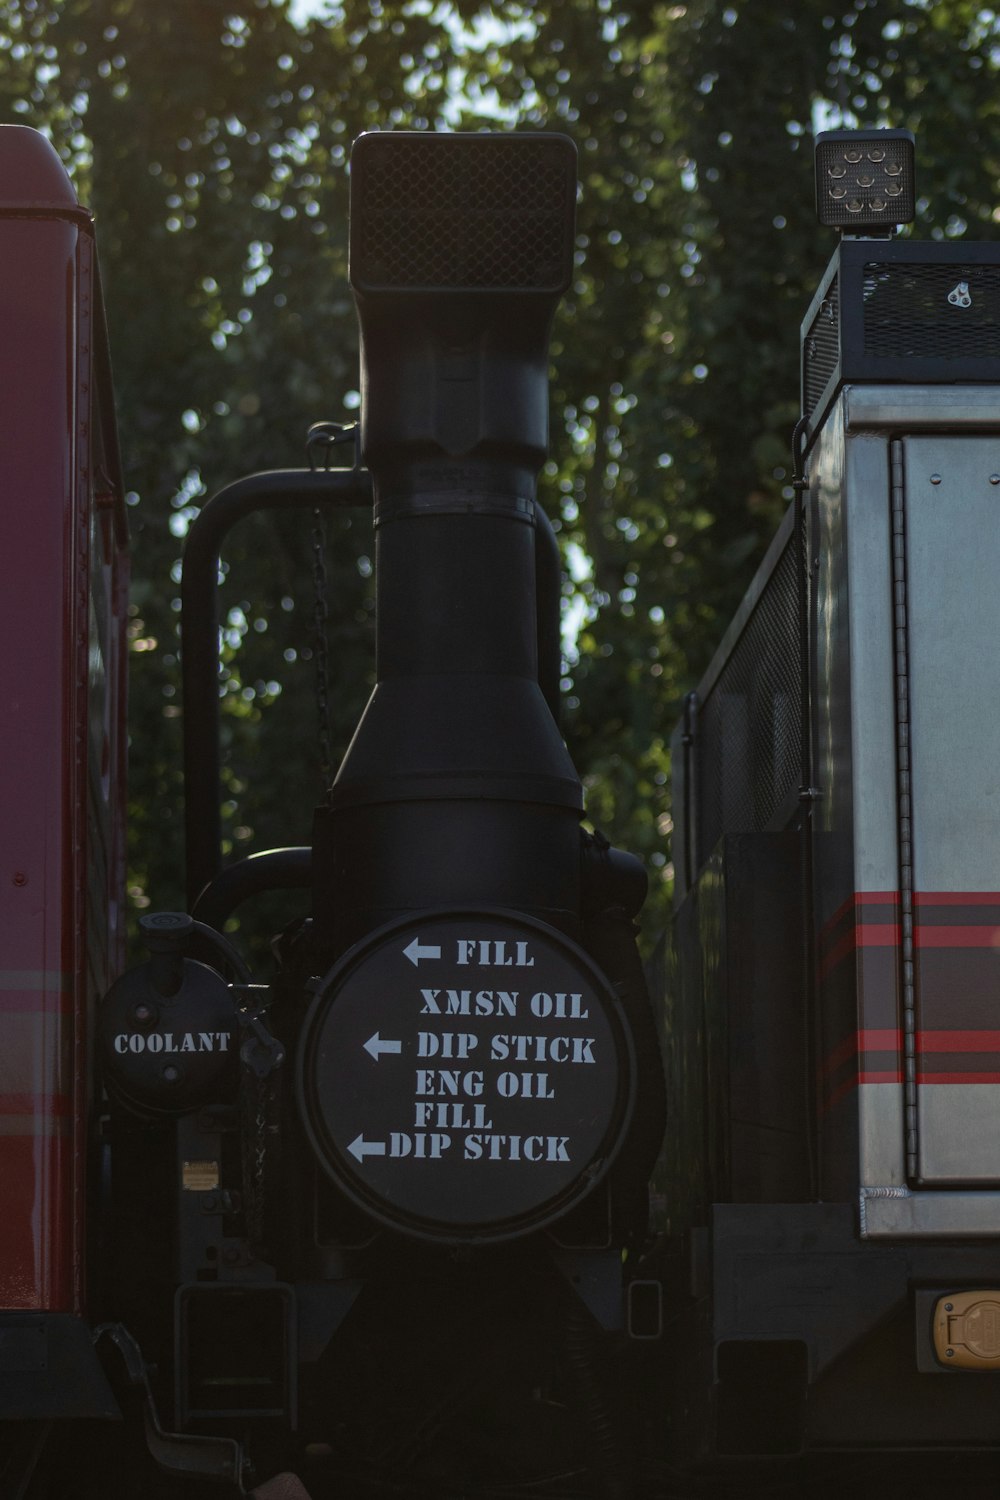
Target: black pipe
[[277, 489], [272, 870]]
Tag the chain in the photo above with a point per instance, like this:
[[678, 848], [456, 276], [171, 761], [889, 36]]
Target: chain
[[324, 438], [258, 1097], [262, 1056]]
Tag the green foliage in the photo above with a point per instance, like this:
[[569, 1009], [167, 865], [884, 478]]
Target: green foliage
[[211, 139]]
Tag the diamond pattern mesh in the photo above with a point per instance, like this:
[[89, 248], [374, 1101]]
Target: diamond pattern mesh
[[462, 211], [749, 727], [938, 311], [821, 349]]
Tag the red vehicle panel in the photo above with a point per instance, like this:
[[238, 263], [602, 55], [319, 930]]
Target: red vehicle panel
[[62, 580]]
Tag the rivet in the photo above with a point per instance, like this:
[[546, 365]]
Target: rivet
[[935, 479], [950, 1353], [995, 479], [171, 1074], [949, 1307], [19, 878]]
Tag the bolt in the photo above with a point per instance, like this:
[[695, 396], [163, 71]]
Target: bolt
[[995, 479], [949, 1307], [950, 1353], [171, 1074], [19, 878], [144, 1015], [935, 479]]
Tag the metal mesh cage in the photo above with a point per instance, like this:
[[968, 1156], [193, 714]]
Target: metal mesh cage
[[931, 311], [821, 349], [462, 211], [749, 736]]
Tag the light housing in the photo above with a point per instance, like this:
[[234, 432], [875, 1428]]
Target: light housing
[[865, 181]]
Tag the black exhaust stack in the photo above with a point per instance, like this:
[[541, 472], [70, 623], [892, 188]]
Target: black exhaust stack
[[457, 787]]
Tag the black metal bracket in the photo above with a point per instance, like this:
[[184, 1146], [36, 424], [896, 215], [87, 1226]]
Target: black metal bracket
[[177, 1453]]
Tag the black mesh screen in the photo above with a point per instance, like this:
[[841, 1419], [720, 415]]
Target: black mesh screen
[[749, 728], [457, 211], [821, 349], [936, 311]]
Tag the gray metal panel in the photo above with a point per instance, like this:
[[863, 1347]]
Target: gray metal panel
[[872, 710], [856, 845], [921, 408], [895, 1213], [953, 615], [872, 728], [831, 649], [959, 1132], [953, 607], [882, 1138]]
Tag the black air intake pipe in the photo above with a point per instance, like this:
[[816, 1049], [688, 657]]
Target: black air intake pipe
[[457, 787]]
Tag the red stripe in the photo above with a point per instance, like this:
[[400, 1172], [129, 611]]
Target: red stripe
[[958, 1041], [862, 898], [36, 1104], [956, 898], [885, 1075], [927, 936], [873, 1039], [865, 935], [850, 907], [890, 1039], [840, 1054], [953, 1078], [36, 1002]]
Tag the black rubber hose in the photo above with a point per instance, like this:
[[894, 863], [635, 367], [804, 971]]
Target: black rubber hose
[[590, 1389]]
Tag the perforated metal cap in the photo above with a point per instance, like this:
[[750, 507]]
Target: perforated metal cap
[[865, 179], [462, 212]]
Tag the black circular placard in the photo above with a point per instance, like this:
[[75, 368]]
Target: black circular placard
[[466, 1075]]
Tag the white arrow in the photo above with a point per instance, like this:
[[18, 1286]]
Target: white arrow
[[360, 1148], [415, 952], [375, 1046]]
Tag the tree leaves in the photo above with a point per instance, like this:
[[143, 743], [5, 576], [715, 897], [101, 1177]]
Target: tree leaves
[[212, 141]]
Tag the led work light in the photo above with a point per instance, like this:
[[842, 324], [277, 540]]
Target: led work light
[[865, 180]]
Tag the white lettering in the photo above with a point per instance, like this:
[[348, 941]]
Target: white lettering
[[562, 1006], [530, 1148], [524, 1086], [433, 1082], [444, 1116], [137, 1042], [492, 953], [446, 1044], [421, 1145], [538, 1049]]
